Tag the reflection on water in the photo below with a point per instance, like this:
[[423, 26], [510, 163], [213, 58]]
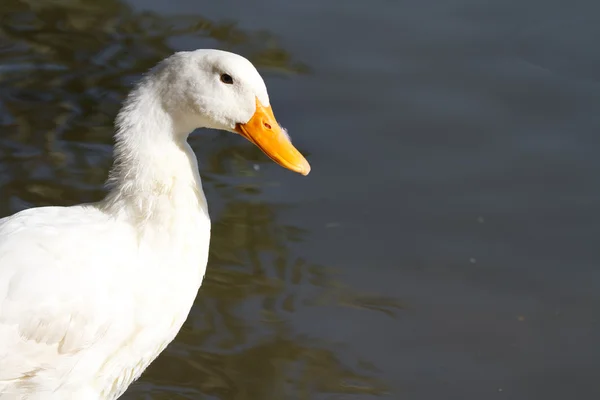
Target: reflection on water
[[64, 67]]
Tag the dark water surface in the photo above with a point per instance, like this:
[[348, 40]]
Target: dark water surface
[[444, 246]]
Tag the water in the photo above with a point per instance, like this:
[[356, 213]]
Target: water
[[444, 245]]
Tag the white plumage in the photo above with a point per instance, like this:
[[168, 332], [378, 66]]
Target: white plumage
[[91, 294]]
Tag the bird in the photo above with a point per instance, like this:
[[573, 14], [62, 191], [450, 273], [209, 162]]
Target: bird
[[91, 294]]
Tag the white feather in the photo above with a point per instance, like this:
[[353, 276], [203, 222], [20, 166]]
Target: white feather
[[91, 294]]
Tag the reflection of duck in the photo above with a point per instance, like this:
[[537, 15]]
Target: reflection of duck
[[91, 294]]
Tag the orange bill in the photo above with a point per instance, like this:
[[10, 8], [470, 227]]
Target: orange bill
[[264, 131]]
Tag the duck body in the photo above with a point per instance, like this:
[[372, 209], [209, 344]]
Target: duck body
[[86, 323], [98, 328], [91, 294]]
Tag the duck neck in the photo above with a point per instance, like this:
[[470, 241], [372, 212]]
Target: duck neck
[[155, 172]]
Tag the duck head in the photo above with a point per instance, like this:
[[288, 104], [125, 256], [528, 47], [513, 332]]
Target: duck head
[[221, 90]]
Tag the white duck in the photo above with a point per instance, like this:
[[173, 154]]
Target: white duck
[[91, 294]]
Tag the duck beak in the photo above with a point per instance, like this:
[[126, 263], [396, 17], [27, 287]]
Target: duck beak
[[264, 131]]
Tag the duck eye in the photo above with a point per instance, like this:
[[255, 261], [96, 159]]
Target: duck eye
[[226, 78]]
